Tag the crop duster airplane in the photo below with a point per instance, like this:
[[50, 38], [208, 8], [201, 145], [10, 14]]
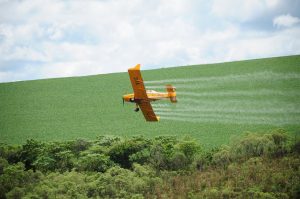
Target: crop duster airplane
[[142, 97]]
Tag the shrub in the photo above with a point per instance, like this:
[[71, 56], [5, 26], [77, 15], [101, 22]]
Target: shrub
[[10, 153], [222, 157], [158, 159], [256, 166], [178, 161], [254, 145], [61, 185], [79, 145], [64, 160], [122, 183], [44, 164], [16, 193], [15, 176], [122, 151], [107, 141], [189, 148], [296, 147], [280, 140], [30, 152], [140, 157], [204, 159], [94, 162], [3, 164]]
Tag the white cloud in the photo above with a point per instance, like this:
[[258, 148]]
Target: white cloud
[[233, 43], [71, 38], [65, 69], [272, 3], [285, 21], [245, 10], [277, 44]]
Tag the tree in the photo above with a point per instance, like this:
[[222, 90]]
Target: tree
[[44, 163], [94, 162], [122, 151], [189, 148], [30, 152]]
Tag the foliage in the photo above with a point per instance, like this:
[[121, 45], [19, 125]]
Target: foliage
[[255, 166], [14, 178], [223, 157], [30, 151], [94, 162], [122, 151]]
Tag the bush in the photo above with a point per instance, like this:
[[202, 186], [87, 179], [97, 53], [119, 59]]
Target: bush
[[66, 185], [178, 161], [280, 140], [122, 183], [45, 164], [222, 157], [79, 145], [3, 164], [254, 145], [16, 193], [189, 148], [167, 153], [94, 162], [123, 152], [15, 176], [296, 147], [10, 153], [140, 157], [204, 159], [256, 166], [30, 152]]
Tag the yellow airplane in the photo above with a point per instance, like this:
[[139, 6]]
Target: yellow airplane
[[142, 97]]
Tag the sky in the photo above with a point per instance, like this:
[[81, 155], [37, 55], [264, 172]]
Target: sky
[[54, 38]]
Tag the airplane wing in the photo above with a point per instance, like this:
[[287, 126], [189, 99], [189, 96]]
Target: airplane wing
[[137, 82], [148, 110], [140, 94]]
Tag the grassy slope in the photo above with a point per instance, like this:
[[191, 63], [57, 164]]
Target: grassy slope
[[68, 108]]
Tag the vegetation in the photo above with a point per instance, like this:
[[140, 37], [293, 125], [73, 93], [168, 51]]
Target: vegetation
[[254, 166], [69, 108]]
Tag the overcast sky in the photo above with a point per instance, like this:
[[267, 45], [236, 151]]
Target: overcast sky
[[44, 39]]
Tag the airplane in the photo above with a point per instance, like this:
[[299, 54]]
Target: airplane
[[143, 98]]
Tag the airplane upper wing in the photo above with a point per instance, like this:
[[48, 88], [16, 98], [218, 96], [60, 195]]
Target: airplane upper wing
[[140, 94], [137, 82]]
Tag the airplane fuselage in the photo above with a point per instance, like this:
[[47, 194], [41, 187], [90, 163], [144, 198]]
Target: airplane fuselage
[[152, 96]]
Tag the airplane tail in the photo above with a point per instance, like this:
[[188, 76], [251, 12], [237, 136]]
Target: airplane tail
[[171, 93]]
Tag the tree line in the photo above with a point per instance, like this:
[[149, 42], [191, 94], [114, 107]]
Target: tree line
[[254, 166]]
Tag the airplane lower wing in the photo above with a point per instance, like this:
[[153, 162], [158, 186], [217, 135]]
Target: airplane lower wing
[[140, 94], [148, 110]]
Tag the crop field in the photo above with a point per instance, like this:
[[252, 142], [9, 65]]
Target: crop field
[[216, 103]]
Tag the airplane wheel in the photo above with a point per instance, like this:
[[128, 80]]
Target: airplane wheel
[[136, 110]]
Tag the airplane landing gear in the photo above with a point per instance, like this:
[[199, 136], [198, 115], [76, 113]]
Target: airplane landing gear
[[136, 108]]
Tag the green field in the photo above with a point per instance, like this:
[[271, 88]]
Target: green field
[[216, 102]]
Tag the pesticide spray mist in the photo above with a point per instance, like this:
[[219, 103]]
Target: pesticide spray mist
[[231, 99]]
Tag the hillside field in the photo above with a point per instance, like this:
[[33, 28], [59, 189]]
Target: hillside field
[[216, 103]]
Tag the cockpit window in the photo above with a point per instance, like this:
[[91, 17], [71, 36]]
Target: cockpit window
[[151, 91]]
